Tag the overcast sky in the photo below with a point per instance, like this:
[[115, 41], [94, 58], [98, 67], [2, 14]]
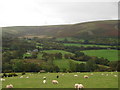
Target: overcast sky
[[52, 12]]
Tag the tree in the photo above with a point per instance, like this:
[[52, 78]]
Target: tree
[[34, 54], [78, 54], [58, 56], [72, 66], [90, 65], [113, 65], [80, 67], [56, 69], [67, 56], [65, 40], [6, 67]]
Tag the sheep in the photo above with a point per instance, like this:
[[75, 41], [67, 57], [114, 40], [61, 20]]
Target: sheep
[[102, 74], [44, 78], [44, 81], [75, 75], [106, 74], [85, 76], [54, 81], [115, 75], [78, 86], [91, 74], [2, 79], [62, 74], [27, 77], [21, 76], [9, 86]]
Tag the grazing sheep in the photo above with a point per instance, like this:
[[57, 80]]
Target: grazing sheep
[[75, 75], [21, 76], [54, 81], [102, 74], [78, 86], [27, 77], [106, 74], [2, 79], [44, 81], [85, 76], [91, 74], [44, 78], [62, 74], [9, 86], [115, 75]]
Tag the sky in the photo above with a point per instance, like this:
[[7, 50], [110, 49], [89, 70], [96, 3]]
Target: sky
[[55, 12]]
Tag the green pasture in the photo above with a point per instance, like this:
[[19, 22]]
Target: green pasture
[[66, 80], [111, 55], [84, 45]]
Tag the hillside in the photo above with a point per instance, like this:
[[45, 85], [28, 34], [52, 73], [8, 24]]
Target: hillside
[[94, 29]]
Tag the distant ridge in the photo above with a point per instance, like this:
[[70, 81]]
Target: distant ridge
[[107, 28]]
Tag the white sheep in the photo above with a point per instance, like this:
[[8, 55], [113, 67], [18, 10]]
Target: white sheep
[[78, 86], [85, 76], [106, 74], [9, 86], [44, 77], [27, 77], [54, 81], [102, 74], [44, 81], [21, 76], [2, 79], [75, 75], [91, 74], [115, 75]]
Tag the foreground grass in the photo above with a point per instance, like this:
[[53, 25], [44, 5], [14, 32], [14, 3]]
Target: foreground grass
[[65, 81], [111, 55]]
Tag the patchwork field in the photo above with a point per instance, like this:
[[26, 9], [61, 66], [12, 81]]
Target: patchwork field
[[111, 55], [66, 80]]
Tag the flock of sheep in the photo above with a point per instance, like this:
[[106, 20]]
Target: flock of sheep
[[77, 85]]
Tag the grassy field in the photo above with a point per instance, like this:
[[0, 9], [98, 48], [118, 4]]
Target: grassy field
[[111, 55], [65, 81], [62, 64], [85, 45], [54, 51], [65, 63], [57, 51]]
